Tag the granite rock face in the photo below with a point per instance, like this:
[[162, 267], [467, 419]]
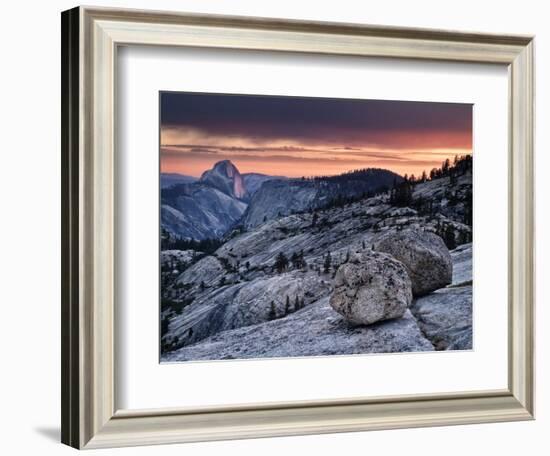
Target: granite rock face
[[423, 253], [198, 211], [245, 303], [175, 257], [462, 264], [371, 287], [445, 317], [312, 331], [207, 271], [225, 177]]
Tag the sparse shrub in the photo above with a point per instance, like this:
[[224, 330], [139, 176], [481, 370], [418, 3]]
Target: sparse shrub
[[175, 306], [226, 264], [314, 219]]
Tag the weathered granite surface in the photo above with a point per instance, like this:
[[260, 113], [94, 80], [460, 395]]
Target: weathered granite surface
[[312, 331]]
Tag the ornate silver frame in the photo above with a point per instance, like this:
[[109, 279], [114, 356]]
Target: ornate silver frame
[[90, 39]]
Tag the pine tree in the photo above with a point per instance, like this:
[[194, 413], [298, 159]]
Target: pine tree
[[295, 260], [452, 176], [296, 304], [393, 191], [449, 238], [424, 177], [402, 194], [445, 167], [328, 262], [468, 213], [164, 326], [272, 312], [287, 305], [281, 262]]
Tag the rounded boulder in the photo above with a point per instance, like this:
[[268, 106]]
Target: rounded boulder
[[371, 287], [425, 256]]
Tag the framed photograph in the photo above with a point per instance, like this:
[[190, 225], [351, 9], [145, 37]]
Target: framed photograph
[[280, 227]]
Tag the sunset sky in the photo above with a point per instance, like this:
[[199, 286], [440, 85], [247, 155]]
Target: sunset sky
[[294, 137]]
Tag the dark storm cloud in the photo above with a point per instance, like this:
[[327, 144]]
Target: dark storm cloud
[[309, 118]]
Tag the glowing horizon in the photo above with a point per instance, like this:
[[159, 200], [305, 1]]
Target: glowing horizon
[[294, 137]]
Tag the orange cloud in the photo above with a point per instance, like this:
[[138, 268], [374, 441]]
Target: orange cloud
[[191, 151]]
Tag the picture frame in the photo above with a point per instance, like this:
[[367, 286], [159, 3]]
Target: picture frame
[[90, 39]]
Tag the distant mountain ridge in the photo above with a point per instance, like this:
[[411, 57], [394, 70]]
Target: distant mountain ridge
[[223, 198], [253, 181], [170, 179], [280, 198], [206, 208]]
